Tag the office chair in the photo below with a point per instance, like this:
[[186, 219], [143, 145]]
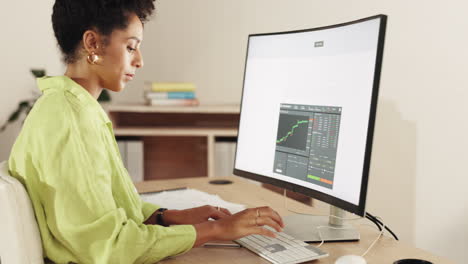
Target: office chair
[[20, 240]]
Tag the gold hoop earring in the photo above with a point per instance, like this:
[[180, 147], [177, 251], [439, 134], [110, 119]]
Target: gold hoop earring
[[92, 58]]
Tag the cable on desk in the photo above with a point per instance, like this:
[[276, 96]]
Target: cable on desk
[[375, 241], [376, 220]]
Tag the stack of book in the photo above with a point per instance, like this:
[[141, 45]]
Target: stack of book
[[167, 94]]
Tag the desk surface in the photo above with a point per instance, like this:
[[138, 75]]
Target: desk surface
[[386, 250]]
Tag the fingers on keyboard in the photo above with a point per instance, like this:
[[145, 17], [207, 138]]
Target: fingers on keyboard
[[267, 221], [267, 211], [264, 232]]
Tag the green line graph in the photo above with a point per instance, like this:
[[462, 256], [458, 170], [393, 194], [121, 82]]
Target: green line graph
[[292, 130]]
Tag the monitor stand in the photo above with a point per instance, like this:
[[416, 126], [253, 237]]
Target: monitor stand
[[304, 227]]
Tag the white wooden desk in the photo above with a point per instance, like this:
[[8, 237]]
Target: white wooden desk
[[386, 250]]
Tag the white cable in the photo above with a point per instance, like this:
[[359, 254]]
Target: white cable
[[323, 241], [375, 241], [320, 234], [318, 227], [348, 219]]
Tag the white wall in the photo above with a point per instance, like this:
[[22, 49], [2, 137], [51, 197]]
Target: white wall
[[418, 175], [27, 41]]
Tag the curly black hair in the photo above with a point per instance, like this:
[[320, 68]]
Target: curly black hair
[[71, 18]]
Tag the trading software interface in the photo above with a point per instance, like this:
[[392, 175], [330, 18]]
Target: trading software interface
[[306, 142]]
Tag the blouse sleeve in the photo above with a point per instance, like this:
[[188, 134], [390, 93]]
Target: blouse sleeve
[[148, 209], [81, 211]]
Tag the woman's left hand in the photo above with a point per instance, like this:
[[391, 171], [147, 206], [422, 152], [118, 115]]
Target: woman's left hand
[[194, 215]]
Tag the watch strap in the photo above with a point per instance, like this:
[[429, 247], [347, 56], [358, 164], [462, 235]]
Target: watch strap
[[159, 216]]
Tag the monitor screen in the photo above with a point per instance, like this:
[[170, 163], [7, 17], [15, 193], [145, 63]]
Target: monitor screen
[[308, 110]]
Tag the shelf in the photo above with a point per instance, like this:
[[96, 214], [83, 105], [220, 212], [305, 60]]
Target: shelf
[[201, 109], [175, 131], [178, 141]]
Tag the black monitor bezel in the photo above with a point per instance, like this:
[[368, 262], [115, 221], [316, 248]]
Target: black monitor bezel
[[356, 209]]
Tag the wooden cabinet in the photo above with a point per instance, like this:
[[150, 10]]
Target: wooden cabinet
[[178, 142]]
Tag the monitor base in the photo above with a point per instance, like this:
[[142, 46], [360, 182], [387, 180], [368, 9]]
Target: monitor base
[[305, 228]]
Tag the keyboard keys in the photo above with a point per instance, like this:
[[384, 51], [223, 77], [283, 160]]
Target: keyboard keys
[[284, 249]]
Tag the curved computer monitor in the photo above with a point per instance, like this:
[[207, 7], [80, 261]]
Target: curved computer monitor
[[308, 110]]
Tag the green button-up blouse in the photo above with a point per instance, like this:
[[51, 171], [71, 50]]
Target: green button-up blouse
[[86, 205]]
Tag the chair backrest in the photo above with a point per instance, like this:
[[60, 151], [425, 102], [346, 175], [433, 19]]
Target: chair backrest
[[20, 240]]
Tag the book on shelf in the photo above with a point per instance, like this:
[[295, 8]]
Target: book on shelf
[[170, 95], [169, 87], [174, 102]]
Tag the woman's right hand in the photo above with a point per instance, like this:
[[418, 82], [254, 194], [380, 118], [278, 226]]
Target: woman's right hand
[[247, 222]]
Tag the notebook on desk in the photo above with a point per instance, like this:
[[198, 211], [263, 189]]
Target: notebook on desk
[[189, 198]]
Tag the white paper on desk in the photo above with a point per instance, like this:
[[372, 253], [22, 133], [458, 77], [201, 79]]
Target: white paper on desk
[[189, 198]]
